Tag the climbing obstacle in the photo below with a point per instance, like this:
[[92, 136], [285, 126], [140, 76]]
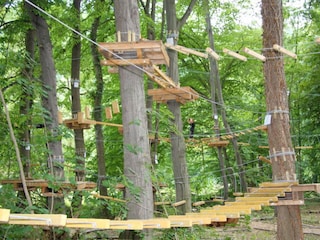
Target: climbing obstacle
[[46, 186], [267, 194]]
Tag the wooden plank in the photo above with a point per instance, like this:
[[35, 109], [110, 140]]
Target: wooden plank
[[229, 213], [126, 224], [257, 202], [256, 207], [306, 188], [196, 220], [160, 223], [181, 222], [56, 220], [115, 107], [228, 209], [278, 184], [176, 204], [88, 223], [4, 215], [261, 194], [164, 76], [288, 203], [125, 62], [213, 217], [199, 203], [250, 199]]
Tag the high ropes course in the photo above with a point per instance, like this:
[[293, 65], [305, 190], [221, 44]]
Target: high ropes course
[[267, 194]]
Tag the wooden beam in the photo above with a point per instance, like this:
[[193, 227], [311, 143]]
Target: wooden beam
[[234, 54], [288, 203], [196, 220], [4, 215], [285, 51], [88, 223], [277, 184], [253, 199], [177, 204], [256, 207], [125, 62], [254, 54], [213, 217], [109, 198], [161, 223], [185, 50], [263, 159], [126, 224], [55, 220]]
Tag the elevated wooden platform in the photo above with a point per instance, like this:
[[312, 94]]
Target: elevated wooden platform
[[81, 122], [46, 187], [143, 53], [181, 94]]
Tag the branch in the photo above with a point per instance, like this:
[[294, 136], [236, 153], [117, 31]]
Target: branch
[[144, 7], [184, 18]]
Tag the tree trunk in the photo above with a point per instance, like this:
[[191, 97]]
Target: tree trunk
[[214, 77], [137, 161], [80, 152], [27, 100], [178, 147], [97, 111], [49, 103], [289, 225]]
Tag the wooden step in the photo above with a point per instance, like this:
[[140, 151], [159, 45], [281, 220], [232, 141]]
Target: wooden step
[[4, 215], [126, 224], [55, 220], [196, 220], [277, 184], [236, 205], [249, 199], [88, 223], [157, 223], [213, 217]]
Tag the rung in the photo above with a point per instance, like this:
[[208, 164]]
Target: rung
[[227, 213], [4, 215], [88, 223], [249, 199], [273, 190], [126, 224], [196, 220], [278, 184], [256, 207], [261, 194], [213, 217], [243, 209], [227, 209], [58, 220], [181, 222], [257, 202], [156, 223]]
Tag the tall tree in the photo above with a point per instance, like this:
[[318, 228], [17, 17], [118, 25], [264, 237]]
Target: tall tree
[[289, 225], [178, 147], [137, 159], [49, 103], [80, 151], [214, 79]]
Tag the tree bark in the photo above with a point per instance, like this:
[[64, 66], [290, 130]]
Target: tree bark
[[97, 111], [137, 160], [49, 102], [178, 147], [80, 151], [27, 100], [282, 154]]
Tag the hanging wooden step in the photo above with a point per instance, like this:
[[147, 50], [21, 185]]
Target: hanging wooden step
[[142, 53], [218, 144], [45, 186], [181, 94]]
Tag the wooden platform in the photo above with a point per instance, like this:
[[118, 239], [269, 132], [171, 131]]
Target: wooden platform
[[46, 187], [179, 94], [80, 122], [142, 53]]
